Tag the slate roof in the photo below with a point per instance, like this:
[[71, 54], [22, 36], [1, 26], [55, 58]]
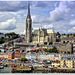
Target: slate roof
[[35, 32]]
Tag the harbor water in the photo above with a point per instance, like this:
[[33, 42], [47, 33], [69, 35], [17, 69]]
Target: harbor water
[[8, 70]]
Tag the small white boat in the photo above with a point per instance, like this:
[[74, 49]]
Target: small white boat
[[1, 66]]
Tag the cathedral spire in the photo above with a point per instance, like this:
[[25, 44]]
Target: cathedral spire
[[28, 16]]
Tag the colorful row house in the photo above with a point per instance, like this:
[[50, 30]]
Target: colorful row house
[[16, 55], [55, 64], [68, 61]]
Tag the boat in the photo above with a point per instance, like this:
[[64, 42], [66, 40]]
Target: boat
[[1, 66], [21, 69]]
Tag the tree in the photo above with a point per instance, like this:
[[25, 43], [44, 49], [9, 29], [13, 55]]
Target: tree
[[74, 35], [52, 50], [50, 43], [67, 35], [45, 43], [0, 50], [23, 59], [58, 34], [1, 40]]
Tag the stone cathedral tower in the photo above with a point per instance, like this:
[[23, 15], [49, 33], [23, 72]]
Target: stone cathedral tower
[[28, 36]]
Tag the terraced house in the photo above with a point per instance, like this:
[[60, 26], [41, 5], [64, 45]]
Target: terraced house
[[68, 61]]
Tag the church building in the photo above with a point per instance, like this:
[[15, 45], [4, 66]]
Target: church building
[[38, 36]]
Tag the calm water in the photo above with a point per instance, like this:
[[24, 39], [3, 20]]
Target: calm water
[[8, 70], [5, 70]]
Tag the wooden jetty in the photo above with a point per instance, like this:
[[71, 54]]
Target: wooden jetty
[[21, 69], [43, 69]]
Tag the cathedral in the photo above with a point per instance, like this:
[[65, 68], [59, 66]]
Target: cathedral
[[38, 36]]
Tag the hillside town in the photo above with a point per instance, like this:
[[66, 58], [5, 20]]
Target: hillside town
[[59, 55], [42, 50]]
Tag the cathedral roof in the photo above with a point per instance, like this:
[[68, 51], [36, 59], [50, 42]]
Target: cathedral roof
[[50, 31], [35, 32], [46, 30]]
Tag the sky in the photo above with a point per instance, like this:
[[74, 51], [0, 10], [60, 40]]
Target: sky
[[59, 15]]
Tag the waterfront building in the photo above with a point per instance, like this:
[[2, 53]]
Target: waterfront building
[[17, 54], [50, 56], [68, 61], [38, 36], [30, 56], [22, 55], [73, 45], [56, 57], [55, 64], [66, 39], [42, 57], [4, 56], [2, 49], [65, 48], [10, 55]]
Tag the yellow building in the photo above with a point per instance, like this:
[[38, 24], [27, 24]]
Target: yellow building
[[55, 64], [60, 56], [3, 56], [67, 62], [45, 47]]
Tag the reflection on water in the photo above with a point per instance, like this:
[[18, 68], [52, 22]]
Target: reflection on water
[[5, 70]]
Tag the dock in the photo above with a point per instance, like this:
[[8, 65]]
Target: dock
[[21, 69], [43, 69]]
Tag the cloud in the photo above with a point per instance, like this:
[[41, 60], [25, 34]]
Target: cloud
[[60, 14], [59, 11], [12, 5], [72, 22], [22, 33], [72, 30], [48, 26], [41, 4], [8, 24]]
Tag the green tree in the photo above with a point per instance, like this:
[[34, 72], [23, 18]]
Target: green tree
[[67, 35], [52, 50], [50, 43], [45, 43], [1, 40], [58, 34], [74, 35], [23, 59]]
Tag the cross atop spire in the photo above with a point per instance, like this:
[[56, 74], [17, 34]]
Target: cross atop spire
[[28, 16]]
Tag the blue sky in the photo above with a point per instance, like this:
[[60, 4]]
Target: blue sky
[[59, 15]]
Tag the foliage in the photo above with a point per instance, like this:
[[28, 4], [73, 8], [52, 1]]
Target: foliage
[[50, 43], [58, 34], [1, 40], [15, 47], [74, 34], [52, 50], [12, 33], [54, 67], [67, 35], [45, 43], [70, 52], [6, 40], [11, 36], [23, 59]]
